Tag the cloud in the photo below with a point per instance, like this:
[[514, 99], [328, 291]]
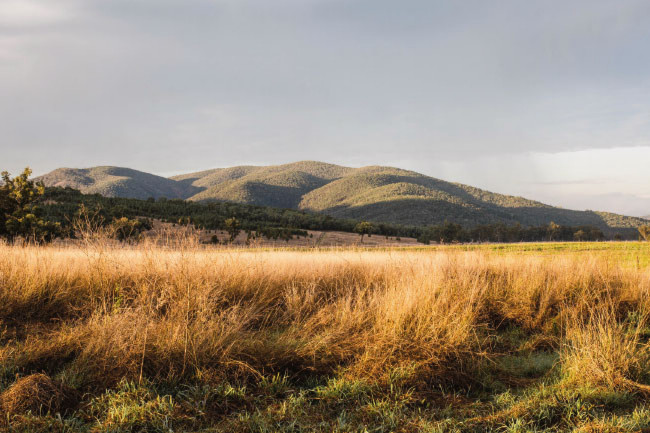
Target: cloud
[[615, 180], [27, 13], [420, 83], [628, 204]]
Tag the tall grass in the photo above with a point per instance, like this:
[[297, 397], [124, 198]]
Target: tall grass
[[97, 315], [604, 351]]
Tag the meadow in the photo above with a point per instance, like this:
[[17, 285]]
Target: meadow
[[148, 338]]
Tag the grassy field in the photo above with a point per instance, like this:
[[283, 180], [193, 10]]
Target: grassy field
[[615, 253], [528, 337]]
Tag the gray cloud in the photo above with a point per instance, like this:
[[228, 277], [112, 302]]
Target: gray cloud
[[175, 85]]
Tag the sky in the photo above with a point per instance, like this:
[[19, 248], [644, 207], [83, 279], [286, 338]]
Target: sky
[[548, 100]]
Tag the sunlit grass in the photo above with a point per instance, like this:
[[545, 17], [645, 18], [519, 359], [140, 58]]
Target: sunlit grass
[[467, 338]]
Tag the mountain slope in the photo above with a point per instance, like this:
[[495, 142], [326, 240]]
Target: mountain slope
[[279, 185], [394, 195], [118, 182], [383, 194]]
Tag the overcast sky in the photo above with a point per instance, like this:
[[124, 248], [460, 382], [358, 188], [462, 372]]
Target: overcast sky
[[549, 99]]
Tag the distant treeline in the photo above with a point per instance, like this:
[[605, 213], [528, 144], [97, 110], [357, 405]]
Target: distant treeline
[[60, 205], [450, 232]]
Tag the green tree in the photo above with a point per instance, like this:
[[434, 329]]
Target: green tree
[[553, 230], [6, 207], [579, 235], [286, 235], [644, 231], [19, 215], [126, 229], [233, 227], [363, 228]]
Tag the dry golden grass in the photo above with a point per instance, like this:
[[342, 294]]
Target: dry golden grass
[[102, 314], [36, 393], [603, 350]]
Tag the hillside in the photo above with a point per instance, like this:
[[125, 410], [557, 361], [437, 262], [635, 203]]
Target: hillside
[[118, 182], [375, 193], [279, 186]]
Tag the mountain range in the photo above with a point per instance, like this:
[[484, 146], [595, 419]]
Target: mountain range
[[375, 193]]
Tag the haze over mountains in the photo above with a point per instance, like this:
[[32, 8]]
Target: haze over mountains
[[374, 193]]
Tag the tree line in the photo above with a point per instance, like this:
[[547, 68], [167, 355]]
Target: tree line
[[451, 232], [34, 213]]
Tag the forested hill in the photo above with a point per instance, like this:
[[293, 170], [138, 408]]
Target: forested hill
[[375, 193], [118, 182]]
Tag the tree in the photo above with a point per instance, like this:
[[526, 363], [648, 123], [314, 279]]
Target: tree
[[579, 235], [19, 215], [553, 230], [286, 235], [6, 207], [363, 228], [126, 229], [451, 232], [644, 231], [233, 227]]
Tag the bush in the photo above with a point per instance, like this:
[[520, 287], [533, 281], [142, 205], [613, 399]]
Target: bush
[[19, 215]]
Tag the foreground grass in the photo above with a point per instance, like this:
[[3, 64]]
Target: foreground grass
[[151, 339]]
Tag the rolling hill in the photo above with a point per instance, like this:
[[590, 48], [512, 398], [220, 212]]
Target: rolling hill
[[118, 182], [383, 194]]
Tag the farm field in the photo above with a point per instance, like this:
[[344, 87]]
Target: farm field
[[635, 254], [458, 338]]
